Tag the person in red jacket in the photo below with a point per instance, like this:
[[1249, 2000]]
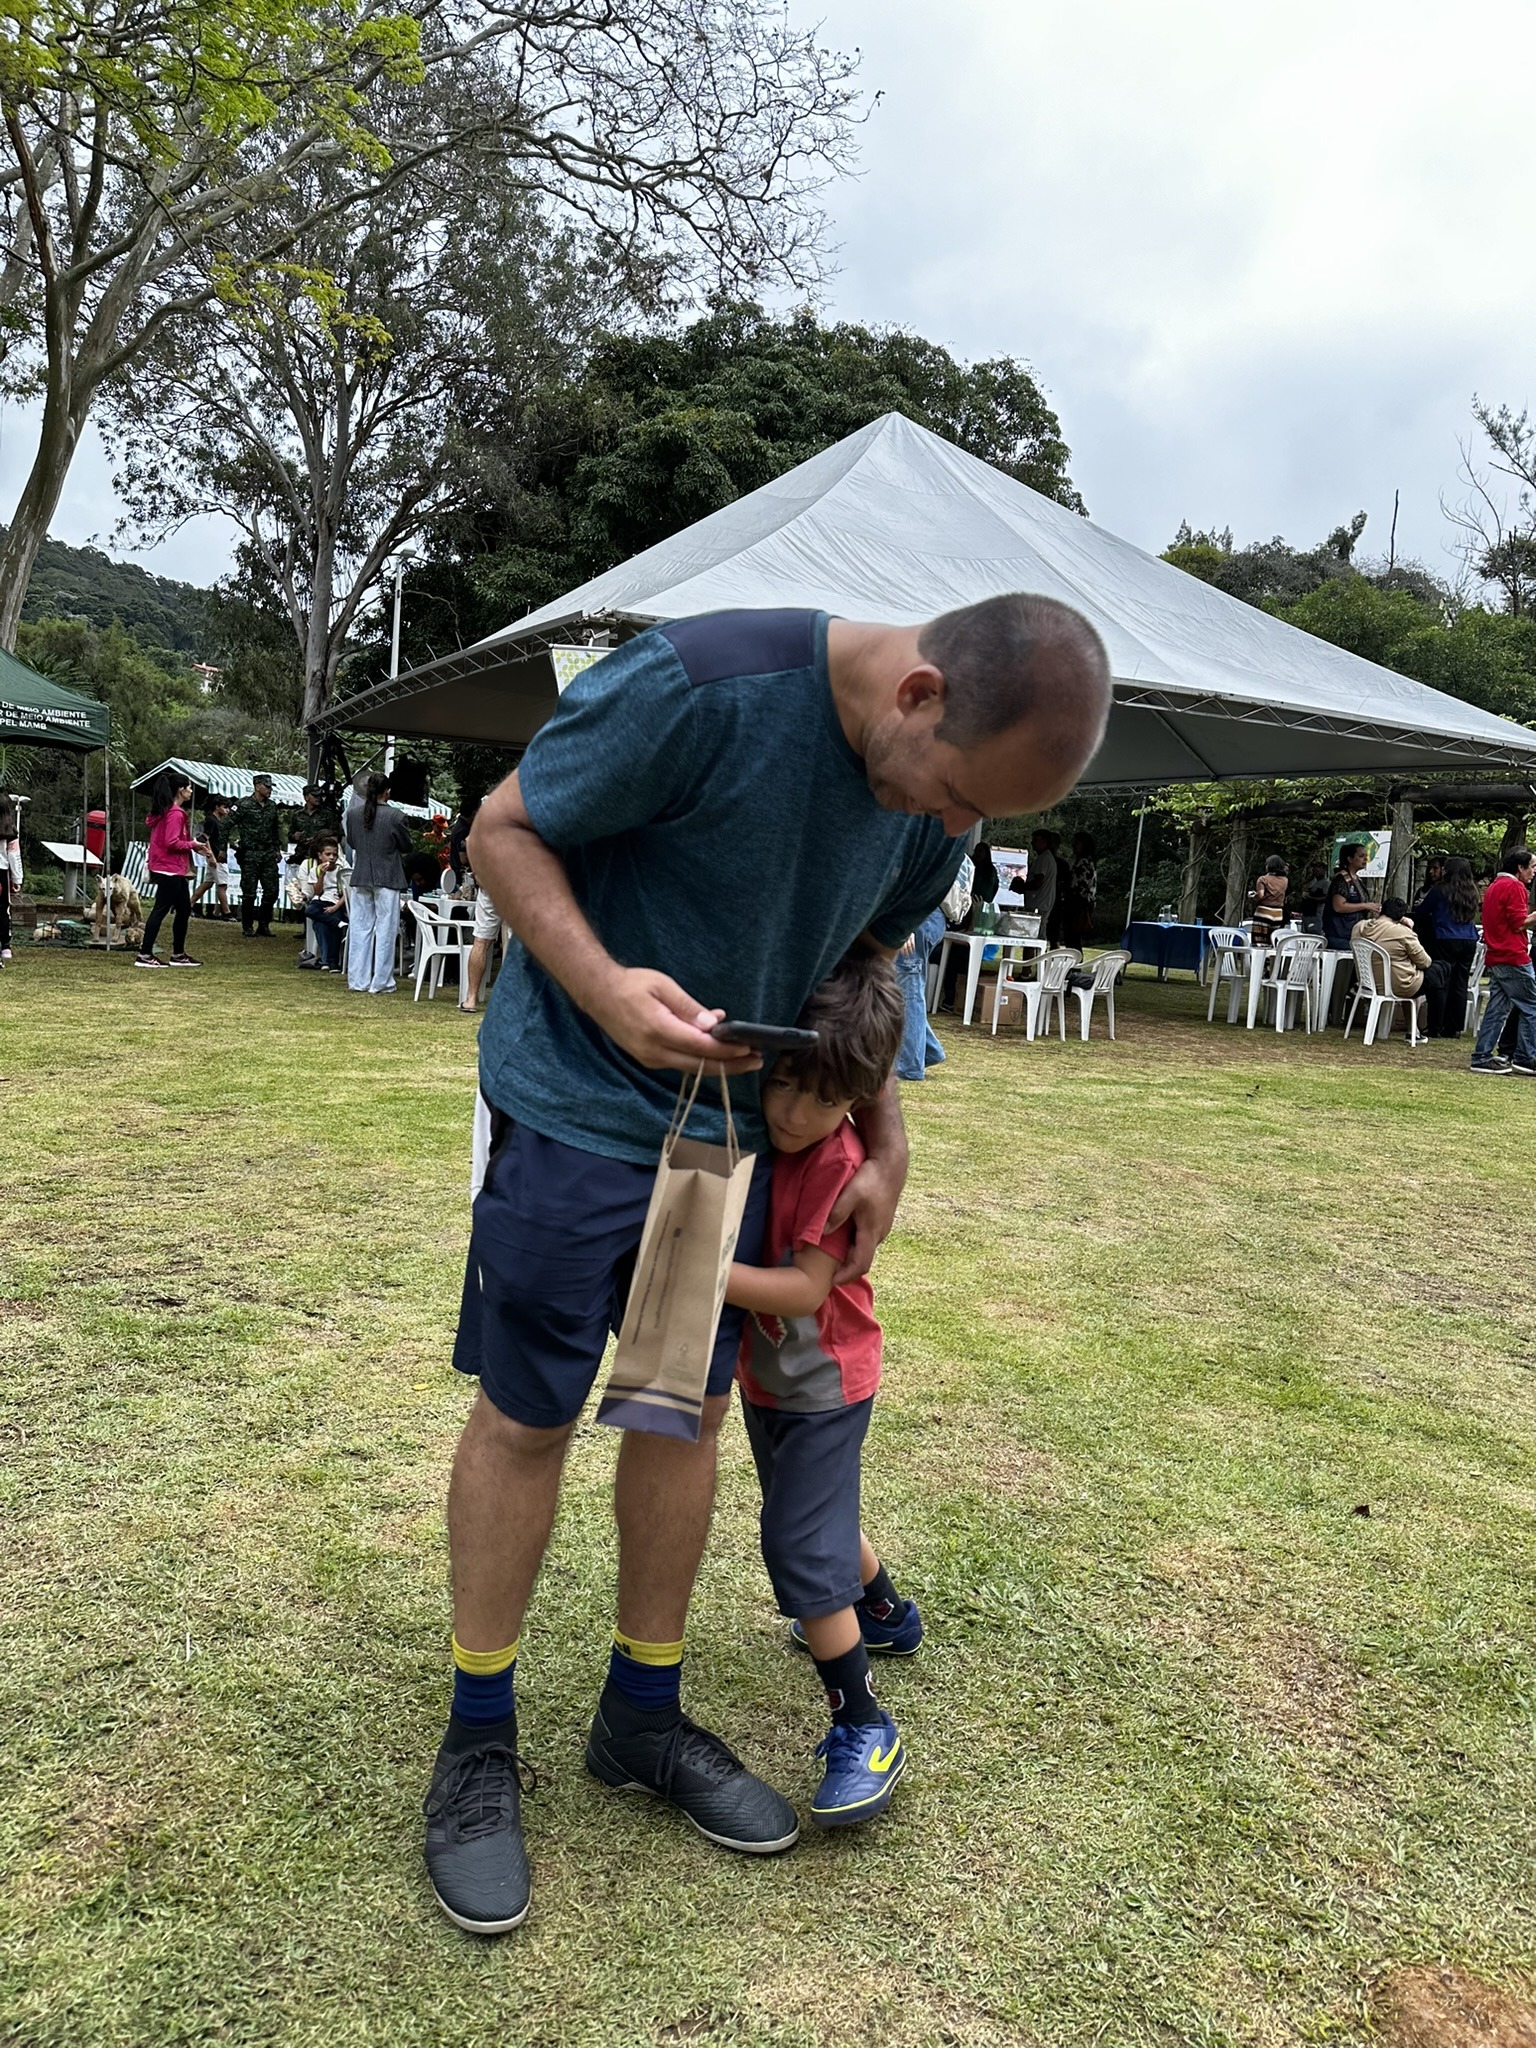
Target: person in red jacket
[[1507, 922]]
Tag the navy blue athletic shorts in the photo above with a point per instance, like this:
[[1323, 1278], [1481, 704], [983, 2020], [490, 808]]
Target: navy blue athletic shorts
[[808, 1467], [551, 1253]]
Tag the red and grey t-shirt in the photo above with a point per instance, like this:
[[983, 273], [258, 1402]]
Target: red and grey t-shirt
[[832, 1359]]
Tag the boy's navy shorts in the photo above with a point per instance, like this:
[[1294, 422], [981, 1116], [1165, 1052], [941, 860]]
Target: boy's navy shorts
[[551, 1253], [808, 1467]]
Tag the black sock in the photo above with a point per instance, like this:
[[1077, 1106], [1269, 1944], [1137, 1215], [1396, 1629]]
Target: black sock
[[849, 1692], [625, 1718], [882, 1599]]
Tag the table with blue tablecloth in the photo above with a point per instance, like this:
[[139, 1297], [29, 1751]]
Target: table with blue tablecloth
[[1166, 946]]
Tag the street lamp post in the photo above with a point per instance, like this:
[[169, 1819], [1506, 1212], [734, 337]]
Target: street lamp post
[[401, 564]]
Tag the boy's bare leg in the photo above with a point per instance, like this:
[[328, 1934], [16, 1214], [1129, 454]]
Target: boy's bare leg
[[869, 1564], [832, 1635]]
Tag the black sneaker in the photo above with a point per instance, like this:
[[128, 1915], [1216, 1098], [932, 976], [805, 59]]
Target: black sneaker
[[1524, 1068], [695, 1771], [474, 1847], [1495, 1063], [184, 960]]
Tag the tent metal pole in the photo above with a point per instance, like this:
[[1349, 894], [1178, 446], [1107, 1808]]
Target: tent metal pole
[[106, 865], [1130, 901]]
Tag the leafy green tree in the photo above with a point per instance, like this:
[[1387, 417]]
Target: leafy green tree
[[1267, 571], [662, 429], [331, 412], [689, 136]]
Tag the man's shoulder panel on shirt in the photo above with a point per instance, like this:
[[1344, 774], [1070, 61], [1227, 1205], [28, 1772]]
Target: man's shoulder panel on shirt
[[744, 643]]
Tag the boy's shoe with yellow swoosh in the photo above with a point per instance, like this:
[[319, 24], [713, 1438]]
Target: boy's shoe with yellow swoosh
[[864, 1761]]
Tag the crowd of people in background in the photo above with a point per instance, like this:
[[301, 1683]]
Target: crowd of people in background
[[348, 874], [1430, 945]]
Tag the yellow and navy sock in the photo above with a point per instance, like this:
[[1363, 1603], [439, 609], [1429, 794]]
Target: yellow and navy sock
[[482, 1684], [850, 1691], [881, 1600], [649, 1675]]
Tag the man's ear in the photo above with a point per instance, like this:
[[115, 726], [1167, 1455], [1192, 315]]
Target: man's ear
[[920, 686]]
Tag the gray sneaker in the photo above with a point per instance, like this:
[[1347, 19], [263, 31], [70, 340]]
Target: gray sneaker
[[474, 1846], [674, 1759]]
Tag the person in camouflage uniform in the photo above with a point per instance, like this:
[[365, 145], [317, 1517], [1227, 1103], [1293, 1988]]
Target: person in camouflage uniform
[[261, 835], [318, 820]]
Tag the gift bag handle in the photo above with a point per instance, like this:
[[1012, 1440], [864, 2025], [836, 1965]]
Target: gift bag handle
[[682, 1109]]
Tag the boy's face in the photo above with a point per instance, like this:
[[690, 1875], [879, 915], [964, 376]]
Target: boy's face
[[797, 1117]]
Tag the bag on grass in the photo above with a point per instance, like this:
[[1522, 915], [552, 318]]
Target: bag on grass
[[668, 1336]]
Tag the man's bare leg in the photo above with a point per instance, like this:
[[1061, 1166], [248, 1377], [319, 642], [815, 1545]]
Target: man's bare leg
[[474, 973], [501, 1507], [663, 1499]]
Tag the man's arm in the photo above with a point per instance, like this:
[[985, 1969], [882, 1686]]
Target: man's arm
[[871, 1197], [640, 1008]]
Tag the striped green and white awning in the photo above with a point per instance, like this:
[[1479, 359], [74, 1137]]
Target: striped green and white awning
[[216, 779]]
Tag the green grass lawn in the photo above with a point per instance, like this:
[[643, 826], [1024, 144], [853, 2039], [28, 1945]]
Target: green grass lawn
[[1206, 1444]]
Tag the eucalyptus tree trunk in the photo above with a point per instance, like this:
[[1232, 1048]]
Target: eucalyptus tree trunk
[[1189, 893], [1399, 880], [1237, 873]]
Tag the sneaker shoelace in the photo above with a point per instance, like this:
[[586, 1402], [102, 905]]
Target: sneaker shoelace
[[478, 1794], [841, 1743], [702, 1752]]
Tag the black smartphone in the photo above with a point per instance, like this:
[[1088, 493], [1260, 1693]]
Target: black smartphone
[[765, 1038]]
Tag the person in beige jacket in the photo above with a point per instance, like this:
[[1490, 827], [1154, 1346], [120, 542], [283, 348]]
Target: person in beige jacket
[[1393, 931]]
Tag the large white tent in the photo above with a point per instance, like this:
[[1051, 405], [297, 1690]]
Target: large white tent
[[896, 524]]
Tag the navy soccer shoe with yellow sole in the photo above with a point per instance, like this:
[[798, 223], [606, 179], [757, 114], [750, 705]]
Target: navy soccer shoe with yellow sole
[[865, 1761], [883, 1637]]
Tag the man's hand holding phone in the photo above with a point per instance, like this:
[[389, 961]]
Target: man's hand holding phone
[[661, 1025]]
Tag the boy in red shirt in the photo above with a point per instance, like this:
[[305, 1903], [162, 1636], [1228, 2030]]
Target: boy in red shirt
[[809, 1367], [1507, 922]]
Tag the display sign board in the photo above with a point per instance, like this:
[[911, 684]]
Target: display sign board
[[1378, 847]]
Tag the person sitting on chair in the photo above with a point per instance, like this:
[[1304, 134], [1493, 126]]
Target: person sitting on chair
[[1393, 931], [324, 883]]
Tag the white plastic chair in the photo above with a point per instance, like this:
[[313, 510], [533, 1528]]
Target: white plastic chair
[[1046, 988], [1477, 989], [1228, 946], [1291, 975], [1373, 985], [1106, 972], [437, 942]]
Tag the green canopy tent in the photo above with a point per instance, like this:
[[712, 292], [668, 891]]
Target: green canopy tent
[[37, 712]]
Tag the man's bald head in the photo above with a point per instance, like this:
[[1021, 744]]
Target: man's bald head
[[1014, 658]]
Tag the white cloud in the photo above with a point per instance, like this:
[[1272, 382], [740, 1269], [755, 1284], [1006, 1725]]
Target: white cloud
[[1260, 256]]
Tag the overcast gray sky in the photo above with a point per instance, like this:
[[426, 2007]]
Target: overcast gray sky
[[1260, 256]]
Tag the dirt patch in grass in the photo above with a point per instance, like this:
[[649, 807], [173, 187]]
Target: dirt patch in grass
[[1429, 2007]]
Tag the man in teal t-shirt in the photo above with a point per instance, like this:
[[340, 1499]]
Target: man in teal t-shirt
[[714, 815]]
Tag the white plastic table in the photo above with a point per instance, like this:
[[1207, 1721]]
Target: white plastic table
[[1327, 968], [976, 944]]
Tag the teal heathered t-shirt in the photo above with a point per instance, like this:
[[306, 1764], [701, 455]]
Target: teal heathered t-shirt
[[715, 824]]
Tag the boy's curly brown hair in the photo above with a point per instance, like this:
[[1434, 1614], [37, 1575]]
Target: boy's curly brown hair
[[857, 1015]]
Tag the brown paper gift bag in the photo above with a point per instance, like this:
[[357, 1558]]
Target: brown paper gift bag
[[673, 1314]]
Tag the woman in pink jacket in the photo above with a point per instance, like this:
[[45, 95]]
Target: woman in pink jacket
[[171, 846]]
